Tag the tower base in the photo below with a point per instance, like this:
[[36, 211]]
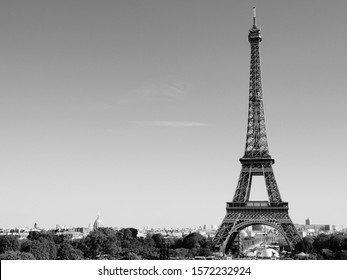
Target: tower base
[[243, 214]]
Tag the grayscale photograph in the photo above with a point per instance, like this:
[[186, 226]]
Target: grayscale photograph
[[173, 130]]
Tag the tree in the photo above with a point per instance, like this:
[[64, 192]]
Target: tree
[[16, 255], [146, 248], [193, 240], [40, 250], [8, 243], [40, 235], [176, 243], [25, 245], [26, 256], [131, 256], [205, 251], [341, 255], [67, 252], [102, 241], [128, 241], [181, 254], [81, 245], [158, 240], [336, 242], [134, 232], [328, 254], [306, 245], [127, 233], [43, 249], [62, 238], [321, 242]]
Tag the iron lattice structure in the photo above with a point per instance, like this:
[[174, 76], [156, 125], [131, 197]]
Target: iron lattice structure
[[242, 212]]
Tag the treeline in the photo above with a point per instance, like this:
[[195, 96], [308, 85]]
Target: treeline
[[103, 243], [107, 243], [324, 246]]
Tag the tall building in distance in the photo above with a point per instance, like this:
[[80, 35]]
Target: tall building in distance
[[242, 212]]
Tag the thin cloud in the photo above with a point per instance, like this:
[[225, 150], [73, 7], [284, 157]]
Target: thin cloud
[[159, 91], [169, 123]]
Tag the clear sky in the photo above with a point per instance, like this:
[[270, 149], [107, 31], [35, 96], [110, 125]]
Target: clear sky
[[137, 109]]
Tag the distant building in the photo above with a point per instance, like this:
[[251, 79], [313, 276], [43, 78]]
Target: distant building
[[312, 229], [97, 223], [257, 227], [74, 233], [307, 222]]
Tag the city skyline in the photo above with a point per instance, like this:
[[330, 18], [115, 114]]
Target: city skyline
[[137, 110]]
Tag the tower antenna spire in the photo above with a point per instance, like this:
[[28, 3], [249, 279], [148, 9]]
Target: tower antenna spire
[[254, 15]]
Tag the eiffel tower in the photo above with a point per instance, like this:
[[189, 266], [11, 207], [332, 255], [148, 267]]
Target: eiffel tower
[[242, 212]]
